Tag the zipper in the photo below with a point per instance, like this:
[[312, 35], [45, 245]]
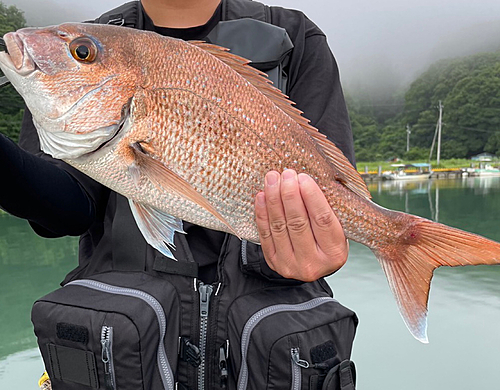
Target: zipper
[[244, 258], [166, 374], [297, 365], [107, 357], [254, 320], [205, 291], [223, 370]]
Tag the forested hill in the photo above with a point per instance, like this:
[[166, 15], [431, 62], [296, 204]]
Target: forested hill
[[469, 88], [11, 104]]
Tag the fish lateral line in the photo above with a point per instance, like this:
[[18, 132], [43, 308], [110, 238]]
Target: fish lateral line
[[228, 112]]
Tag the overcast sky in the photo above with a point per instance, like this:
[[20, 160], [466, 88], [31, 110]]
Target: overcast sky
[[372, 40]]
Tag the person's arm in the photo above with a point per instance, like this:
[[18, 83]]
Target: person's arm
[[300, 235], [40, 189]]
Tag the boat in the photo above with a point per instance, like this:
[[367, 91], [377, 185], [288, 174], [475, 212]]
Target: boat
[[483, 170], [417, 171]]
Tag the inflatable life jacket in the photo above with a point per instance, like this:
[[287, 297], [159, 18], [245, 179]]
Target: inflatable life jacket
[[161, 328]]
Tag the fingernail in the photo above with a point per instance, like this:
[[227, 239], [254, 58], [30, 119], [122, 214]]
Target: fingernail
[[272, 178], [261, 199], [303, 177], [289, 174]]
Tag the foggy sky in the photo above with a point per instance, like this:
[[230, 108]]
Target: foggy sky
[[384, 42]]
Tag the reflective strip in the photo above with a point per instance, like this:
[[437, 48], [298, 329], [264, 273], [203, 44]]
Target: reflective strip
[[166, 374], [259, 316], [244, 258]]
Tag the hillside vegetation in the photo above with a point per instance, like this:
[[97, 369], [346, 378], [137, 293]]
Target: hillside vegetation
[[11, 104], [469, 88]]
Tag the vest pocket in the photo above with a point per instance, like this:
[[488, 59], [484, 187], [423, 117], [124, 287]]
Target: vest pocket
[[117, 330], [287, 338]]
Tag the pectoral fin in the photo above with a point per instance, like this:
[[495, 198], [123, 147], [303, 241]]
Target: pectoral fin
[[157, 227], [165, 179]]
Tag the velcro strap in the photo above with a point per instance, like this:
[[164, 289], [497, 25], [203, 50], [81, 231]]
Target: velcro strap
[[73, 365], [183, 268]]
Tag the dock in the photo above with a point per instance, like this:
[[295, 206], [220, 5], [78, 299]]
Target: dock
[[438, 173]]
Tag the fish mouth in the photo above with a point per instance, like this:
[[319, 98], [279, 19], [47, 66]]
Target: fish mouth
[[16, 57]]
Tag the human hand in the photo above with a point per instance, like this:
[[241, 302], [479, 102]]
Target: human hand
[[300, 235]]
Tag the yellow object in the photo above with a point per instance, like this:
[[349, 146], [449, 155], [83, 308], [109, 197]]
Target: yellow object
[[44, 382]]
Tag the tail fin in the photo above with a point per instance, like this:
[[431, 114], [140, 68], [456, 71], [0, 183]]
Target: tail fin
[[410, 262]]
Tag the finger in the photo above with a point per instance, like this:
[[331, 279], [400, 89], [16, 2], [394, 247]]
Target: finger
[[325, 226], [297, 219], [264, 229], [276, 214]]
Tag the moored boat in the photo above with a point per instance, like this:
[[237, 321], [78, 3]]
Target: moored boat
[[417, 171]]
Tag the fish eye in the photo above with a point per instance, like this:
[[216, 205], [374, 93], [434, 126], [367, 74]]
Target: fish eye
[[83, 50]]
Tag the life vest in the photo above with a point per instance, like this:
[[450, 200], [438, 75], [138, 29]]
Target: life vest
[[245, 29]]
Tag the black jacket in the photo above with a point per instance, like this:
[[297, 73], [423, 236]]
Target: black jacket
[[77, 205], [110, 239]]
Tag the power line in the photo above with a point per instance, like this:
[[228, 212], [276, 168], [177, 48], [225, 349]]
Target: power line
[[451, 125], [382, 105], [475, 129]]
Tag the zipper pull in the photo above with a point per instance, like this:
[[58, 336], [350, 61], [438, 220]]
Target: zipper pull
[[105, 354], [107, 357], [205, 293], [297, 360], [223, 366]]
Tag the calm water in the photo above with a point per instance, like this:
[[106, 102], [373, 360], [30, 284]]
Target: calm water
[[464, 314]]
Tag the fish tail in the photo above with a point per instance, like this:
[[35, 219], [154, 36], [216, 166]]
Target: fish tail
[[410, 261]]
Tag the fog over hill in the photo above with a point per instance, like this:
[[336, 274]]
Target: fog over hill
[[380, 46]]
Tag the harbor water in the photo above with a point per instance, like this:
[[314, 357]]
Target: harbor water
[[464, 304]]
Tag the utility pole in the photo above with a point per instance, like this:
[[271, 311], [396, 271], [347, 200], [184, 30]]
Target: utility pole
[[433, 143], [408, 132], [440, 125]]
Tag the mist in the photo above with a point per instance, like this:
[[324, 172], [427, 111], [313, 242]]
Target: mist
[[380, 46]]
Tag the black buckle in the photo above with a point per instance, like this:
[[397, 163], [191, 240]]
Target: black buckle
[[116, 20], [189, 352]]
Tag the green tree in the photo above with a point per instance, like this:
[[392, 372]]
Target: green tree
[[11, 104], [366, 136], [417, 153], [493, 144], [11, 18], [10, 125], [392, 141], [469, 88]]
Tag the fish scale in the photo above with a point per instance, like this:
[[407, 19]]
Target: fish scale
[[187, 131]]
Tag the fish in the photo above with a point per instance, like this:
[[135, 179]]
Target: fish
[[187, 131]]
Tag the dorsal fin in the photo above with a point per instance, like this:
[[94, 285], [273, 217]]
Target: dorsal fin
[[345, 172]]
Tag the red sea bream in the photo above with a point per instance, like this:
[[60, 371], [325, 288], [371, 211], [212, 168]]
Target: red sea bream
[[187, 131]]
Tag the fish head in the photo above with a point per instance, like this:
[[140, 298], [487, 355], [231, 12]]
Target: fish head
[[76, 79]]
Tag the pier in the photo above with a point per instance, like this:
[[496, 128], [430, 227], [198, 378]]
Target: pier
[[438, 173]]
